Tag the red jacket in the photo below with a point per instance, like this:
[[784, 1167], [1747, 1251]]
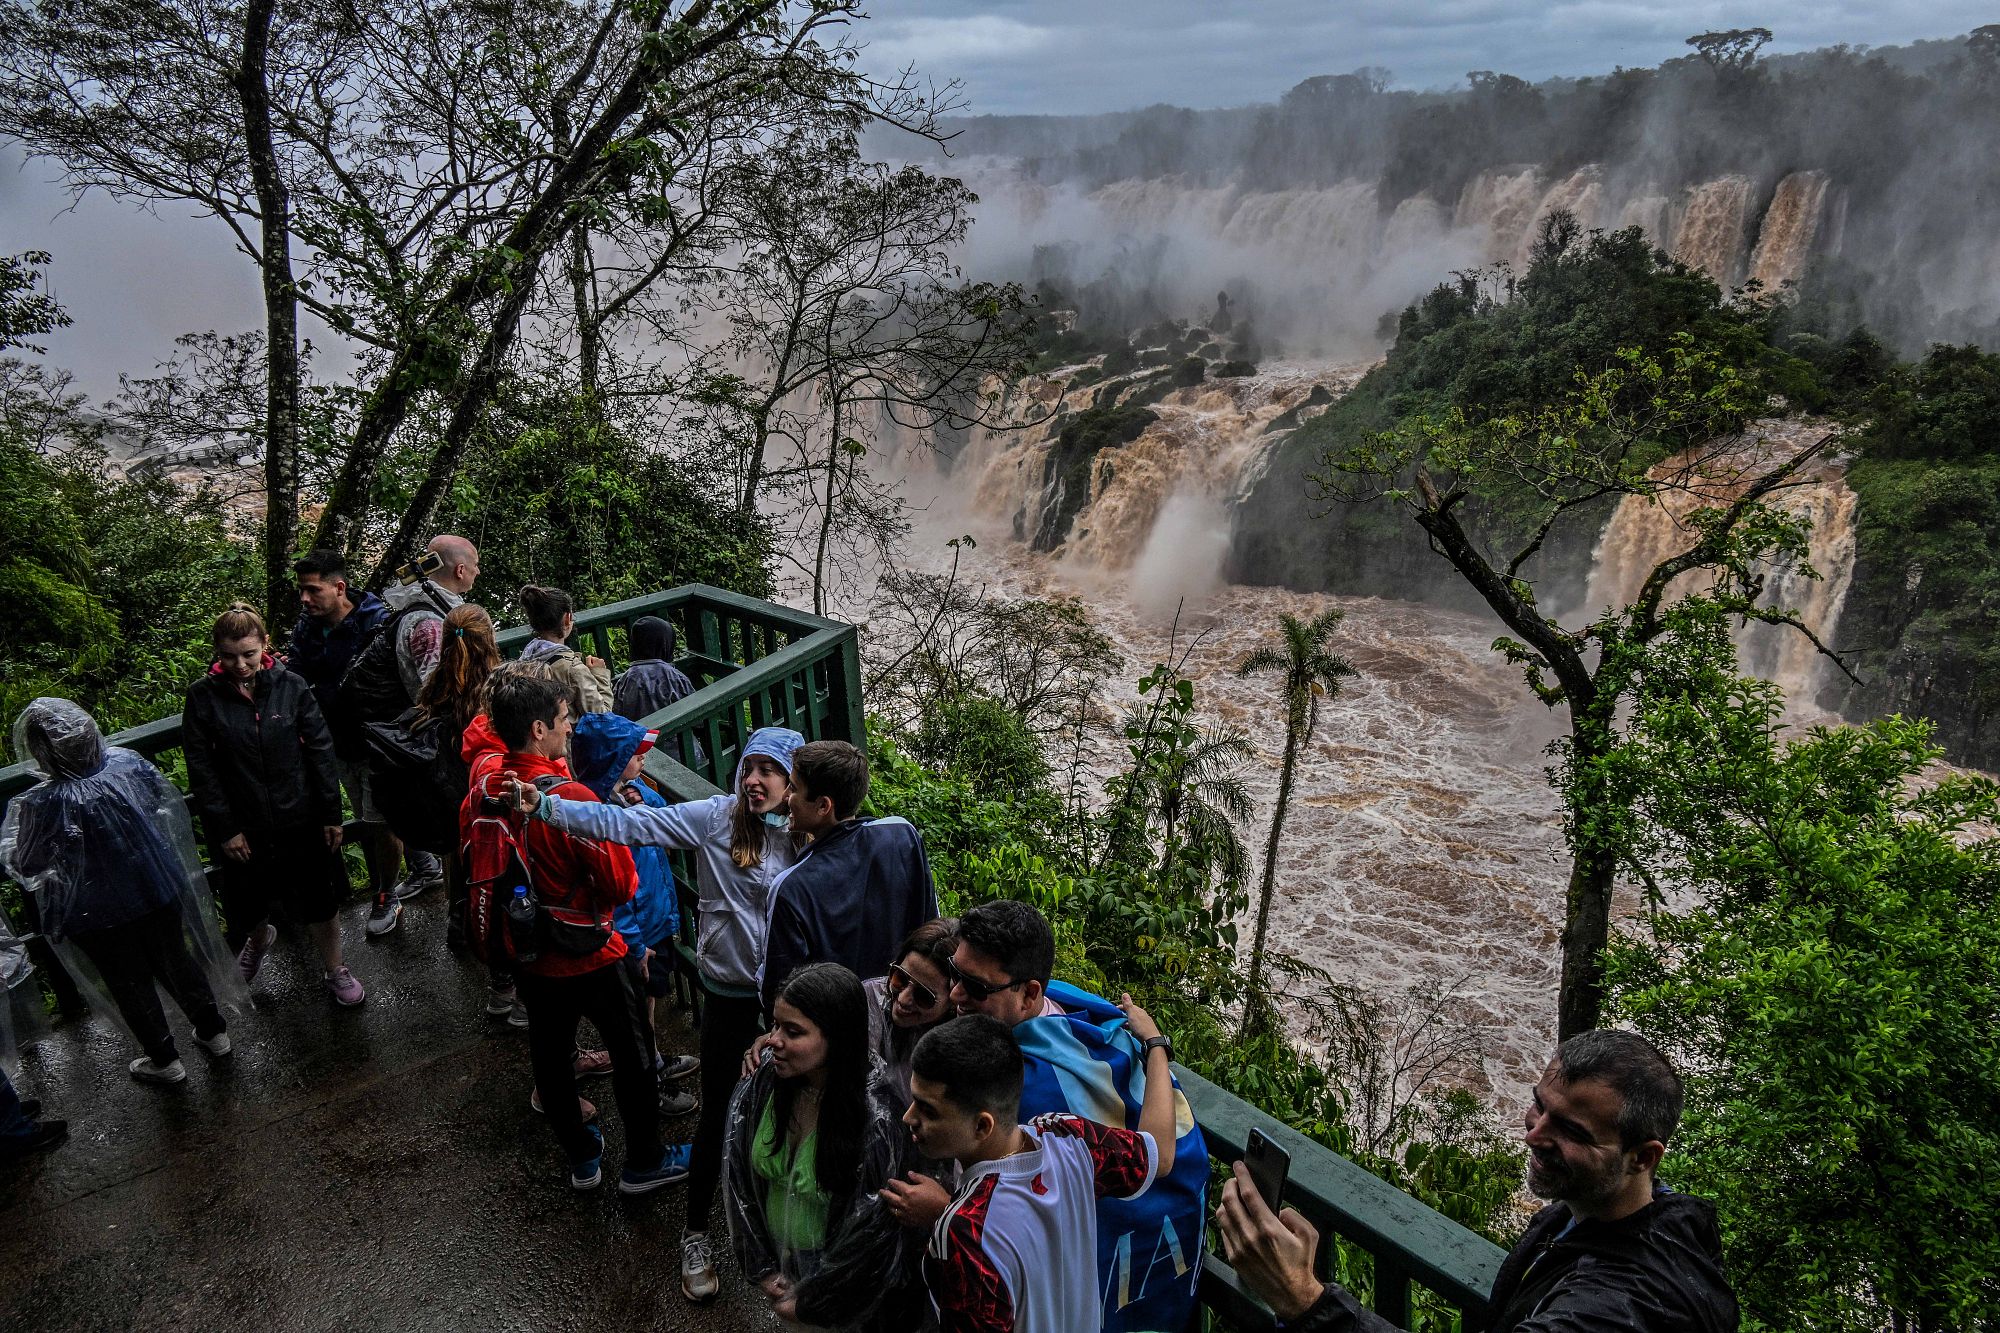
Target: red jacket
[[583, 878]]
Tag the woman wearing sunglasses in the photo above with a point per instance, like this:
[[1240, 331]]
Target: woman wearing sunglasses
[[914, 998]]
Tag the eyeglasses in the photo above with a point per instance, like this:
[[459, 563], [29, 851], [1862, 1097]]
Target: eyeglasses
[[979, 991], [900, 980]]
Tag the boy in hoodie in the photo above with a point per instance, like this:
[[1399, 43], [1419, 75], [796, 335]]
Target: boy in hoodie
[[862, 886], [652, 681], [580, 883], [605, 753]]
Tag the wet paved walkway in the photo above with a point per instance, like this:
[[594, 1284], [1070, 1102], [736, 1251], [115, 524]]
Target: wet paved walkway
[[367, 1169]]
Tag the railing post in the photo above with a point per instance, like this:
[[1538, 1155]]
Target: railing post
[[847, 702], [1392, 1289]]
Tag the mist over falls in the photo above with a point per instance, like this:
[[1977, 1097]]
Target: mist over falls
[[1868, 179]]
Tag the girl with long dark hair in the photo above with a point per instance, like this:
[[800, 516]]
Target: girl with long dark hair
[[814, 1135]]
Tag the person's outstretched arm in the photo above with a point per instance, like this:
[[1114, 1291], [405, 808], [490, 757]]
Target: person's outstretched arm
[[683, 825], [1273, 1254]]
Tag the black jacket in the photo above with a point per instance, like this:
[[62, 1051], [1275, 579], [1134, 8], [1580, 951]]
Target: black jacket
[[854, 896], [258, 765], [1659, 1270]]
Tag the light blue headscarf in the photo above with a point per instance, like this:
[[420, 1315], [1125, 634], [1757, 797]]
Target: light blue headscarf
[[779, 743]]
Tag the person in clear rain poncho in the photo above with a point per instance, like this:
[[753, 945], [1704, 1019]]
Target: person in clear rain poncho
[[106, 846], [814, 1135]]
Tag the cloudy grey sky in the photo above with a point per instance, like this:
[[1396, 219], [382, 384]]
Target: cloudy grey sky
[[1055, 56], [135, 280]]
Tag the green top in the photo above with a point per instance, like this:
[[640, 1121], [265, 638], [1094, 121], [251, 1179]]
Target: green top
[[794, 1205]]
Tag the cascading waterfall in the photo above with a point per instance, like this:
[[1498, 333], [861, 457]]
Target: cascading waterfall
[[1178, 480], [1712, 226], [1643, 532], [1421, 799], [1791, 225]]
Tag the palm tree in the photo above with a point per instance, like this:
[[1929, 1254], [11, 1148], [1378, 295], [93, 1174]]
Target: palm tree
[[1311, 673]]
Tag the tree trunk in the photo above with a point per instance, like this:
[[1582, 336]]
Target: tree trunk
[[833, 454], [589, 337], [1586, 931], [466, 414], [1254, 1006], [281, 320]]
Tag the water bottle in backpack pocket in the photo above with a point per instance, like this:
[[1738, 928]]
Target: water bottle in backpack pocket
[[506, 921]]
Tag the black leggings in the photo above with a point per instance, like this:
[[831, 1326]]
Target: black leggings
[[132, 958], [728, 1025], [610, 999]]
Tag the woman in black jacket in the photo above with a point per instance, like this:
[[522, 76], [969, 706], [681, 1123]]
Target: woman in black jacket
[[265, 786]]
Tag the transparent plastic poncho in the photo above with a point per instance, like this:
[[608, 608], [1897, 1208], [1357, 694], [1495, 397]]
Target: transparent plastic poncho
[[103, 840], [867, 1275], [23, 1020]]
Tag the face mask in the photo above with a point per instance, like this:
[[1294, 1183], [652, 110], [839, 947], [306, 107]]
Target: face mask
[[777, 819]]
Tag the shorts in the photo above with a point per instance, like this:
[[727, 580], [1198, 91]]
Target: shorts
[[289, 869], [360, 791], [658, 983]]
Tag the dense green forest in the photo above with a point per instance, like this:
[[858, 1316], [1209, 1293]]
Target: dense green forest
[[1817, 946]]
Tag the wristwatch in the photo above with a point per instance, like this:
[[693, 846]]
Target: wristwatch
[[1165, 1044]]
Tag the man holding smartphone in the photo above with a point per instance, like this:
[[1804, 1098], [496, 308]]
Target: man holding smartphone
[[1613, 1250]]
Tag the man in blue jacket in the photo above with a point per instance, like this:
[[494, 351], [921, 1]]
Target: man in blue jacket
[[862, 886], [336, 621]]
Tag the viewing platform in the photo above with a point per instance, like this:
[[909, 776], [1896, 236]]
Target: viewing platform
[[378, 1168]]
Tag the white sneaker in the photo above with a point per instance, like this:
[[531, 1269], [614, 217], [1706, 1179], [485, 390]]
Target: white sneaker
[[173, 1071], [698, 1280], [216, 1045]]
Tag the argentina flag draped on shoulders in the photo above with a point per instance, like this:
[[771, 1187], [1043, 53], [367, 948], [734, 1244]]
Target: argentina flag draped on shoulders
[[1087, 1062]]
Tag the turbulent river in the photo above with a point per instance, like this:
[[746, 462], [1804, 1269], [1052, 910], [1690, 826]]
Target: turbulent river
[[1423, 843]]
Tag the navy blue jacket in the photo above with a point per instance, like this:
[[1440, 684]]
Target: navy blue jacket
[[323, 655], [859, 890]]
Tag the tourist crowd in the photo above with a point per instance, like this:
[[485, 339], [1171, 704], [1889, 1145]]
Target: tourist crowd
[[910, 1122]]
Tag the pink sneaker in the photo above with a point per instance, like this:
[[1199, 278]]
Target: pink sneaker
[[346, 990], [251, 956]]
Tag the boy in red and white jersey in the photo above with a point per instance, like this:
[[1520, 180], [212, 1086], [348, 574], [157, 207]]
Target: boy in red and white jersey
[[1017, 1250]]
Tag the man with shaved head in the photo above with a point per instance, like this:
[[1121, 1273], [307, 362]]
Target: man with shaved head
[[420, 634]]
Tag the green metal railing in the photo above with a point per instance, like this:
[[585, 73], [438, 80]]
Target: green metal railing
[[754, 664], [757, 664], [1409, 1242]]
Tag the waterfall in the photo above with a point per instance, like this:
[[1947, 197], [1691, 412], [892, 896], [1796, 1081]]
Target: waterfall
[[1580, 194], [1502, 205], [1643, 532], [1159, 506], [1713, 220], [1791, 225]]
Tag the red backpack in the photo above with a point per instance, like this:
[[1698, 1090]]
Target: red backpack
[[506, 921], [498, 879]]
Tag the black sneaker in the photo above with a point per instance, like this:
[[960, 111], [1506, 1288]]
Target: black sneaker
[[680, 1067], [47, 1134], [386, 915], [678, 1103]]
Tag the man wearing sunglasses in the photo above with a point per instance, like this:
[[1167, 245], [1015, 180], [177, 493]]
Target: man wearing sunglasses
[[1082, 1057]]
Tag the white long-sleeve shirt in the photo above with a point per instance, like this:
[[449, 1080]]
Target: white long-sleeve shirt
[[735, 903]]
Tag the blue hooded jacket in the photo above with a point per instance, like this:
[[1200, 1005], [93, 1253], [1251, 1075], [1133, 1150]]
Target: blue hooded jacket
[[599, 749]]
